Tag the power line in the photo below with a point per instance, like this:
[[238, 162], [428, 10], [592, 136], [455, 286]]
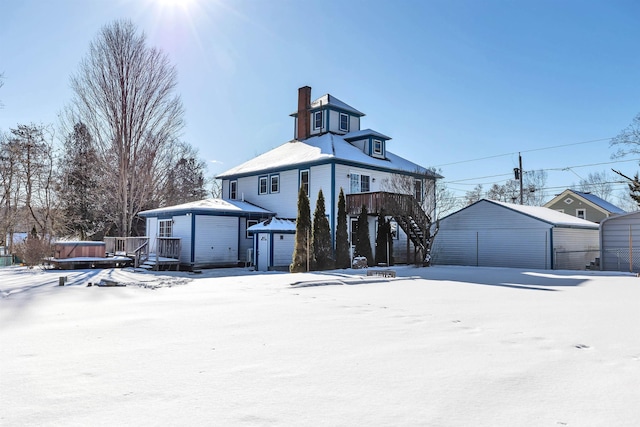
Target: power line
[[523, 151]]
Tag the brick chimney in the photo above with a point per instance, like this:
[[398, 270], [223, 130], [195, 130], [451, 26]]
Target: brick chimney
[[304, 103]]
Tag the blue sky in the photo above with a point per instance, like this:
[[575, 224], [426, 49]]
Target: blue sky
[[450, 81]]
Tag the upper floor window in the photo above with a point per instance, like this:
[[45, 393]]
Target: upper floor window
[[581, 213], [317, 120], [304, 181], [233, 190], [262, 185], [165, 228], [377, 147], [275, 183], [344, 122], [360, 183], [417, 190]]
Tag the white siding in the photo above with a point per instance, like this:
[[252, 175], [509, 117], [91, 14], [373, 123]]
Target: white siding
[[620, 243], [283, 249], [216, 240], [575, 248], [488, 235], [182, 229]]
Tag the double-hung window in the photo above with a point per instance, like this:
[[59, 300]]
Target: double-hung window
[[165, 227], [262, 185], [377, 147], [250, 222], [233, 190], [304, 181], [344, 122], [275, 183], [417, 190], [317, 120], [360, 183]]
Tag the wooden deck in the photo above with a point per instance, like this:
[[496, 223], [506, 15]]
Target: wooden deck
[[165, 253]]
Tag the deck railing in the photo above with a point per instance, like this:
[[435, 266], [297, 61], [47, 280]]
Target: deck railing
[[166, 247]]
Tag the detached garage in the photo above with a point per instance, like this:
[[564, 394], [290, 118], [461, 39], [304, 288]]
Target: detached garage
[[620, 243], [213, 232], [497, 234]]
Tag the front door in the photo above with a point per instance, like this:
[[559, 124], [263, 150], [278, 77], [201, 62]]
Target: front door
[[263, 252]]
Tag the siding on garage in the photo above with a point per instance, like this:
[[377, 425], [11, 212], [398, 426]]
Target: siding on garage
[[574, 249], [620, 243]]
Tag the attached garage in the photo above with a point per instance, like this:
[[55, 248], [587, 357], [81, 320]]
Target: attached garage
[[497, 234], [213, 232], [620, 243]]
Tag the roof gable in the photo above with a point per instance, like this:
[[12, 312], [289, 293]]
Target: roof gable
[[549, 216], [591, 199]]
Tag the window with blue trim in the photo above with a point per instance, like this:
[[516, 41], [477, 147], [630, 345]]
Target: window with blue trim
[[377, 147], [317, 120], [275, 183], [233, 190], [344, 122], [262, 185], [304, 181]]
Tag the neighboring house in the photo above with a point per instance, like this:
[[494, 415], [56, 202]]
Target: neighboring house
[[212, 232], [498, 234], [620, 243], [583, 205], [331, 151]]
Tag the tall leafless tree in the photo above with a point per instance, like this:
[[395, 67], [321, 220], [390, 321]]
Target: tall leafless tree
[[598, 183], [124, 94]]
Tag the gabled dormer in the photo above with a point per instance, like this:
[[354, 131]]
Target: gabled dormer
[[370, 142], [325, 114]]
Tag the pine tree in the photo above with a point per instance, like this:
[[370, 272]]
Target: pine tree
[[322, 248], [634, 186], [343, 260], [302, 253], [382, 240], [363, 241]]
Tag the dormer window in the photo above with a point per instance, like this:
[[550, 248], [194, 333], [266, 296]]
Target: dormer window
[[344, 122], [317, 120], [377, 147]]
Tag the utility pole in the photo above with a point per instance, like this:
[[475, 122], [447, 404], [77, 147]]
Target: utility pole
[[517, 174]]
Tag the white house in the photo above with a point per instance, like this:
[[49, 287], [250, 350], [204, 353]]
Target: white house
[[497, 234], [620, 243], [331, 151]]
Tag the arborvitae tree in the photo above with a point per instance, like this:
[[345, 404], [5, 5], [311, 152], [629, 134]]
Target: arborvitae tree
[[363, 241], [301, 252], [384, 241], [343, 260], [322, 249]]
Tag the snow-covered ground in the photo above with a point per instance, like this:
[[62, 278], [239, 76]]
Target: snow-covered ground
[[439, 346]]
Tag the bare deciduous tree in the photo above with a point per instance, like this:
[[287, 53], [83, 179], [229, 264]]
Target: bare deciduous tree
[[628, 141], [124, 94], [598, 183]]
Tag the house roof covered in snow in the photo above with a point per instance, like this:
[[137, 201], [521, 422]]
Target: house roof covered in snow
[[547, 215], [364, 132], [324, 148], [274, 225], [209, 206], [332, 101]]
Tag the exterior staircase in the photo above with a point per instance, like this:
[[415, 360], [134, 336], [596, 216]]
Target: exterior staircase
[[404, 208]]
